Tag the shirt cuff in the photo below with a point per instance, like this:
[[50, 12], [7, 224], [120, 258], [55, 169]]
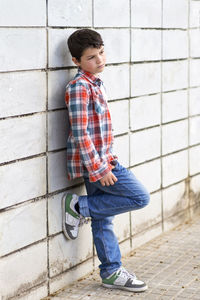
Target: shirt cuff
[[100, 173]]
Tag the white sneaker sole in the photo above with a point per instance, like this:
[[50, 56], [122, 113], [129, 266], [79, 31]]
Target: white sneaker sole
[[135, 290], [63, 218]]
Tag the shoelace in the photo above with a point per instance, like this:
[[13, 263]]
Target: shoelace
[[124, 273], [83, 221]]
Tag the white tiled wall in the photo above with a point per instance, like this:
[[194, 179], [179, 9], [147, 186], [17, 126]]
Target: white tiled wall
[[175, 44], [149, 174], [175, 75], [33, 258], [121, 149], [175, 199], [194, 42], [23, 137], [69, 13], [175, 105], [150, 73], [152, 41], [25, 49], [120, 122], [194, 130], [178, 130], [108, 13], [145, 145], [194, 13], [152, 79], [79, 250], [23, 13], [194, 160], [194, 72], [22, 180], [22, 93], [112, 39], [56, 87], [145, 111], [194, 107], [175, 167], [115, 77], [171, 17], [146, 14], [22, 226]]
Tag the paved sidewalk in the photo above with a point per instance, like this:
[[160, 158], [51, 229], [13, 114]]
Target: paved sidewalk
[[170, 264]]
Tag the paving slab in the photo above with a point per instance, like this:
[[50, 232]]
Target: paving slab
[[170, 264]]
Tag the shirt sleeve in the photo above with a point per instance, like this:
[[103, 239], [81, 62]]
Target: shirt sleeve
[[113, 153], [77, 99]]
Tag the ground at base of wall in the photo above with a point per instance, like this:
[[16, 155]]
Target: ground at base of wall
[[169, 264]]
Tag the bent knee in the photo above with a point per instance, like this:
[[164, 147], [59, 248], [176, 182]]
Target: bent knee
[[144, 200]]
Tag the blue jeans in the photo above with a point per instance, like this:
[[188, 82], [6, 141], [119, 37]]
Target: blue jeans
[[102, 204]]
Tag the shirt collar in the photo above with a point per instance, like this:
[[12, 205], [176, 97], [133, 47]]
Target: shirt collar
[[90, 77]]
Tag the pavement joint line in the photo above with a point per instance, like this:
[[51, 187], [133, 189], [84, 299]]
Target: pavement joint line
[[171, 273]]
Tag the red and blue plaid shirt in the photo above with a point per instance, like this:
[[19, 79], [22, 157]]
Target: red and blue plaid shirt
[[89, 144]]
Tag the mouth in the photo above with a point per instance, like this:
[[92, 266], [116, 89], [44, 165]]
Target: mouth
[[101, 66]]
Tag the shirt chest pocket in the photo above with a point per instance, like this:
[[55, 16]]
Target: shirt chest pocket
[[99, 107], [99, 102]]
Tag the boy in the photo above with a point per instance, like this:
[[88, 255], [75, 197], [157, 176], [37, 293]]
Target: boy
[[111, 188]]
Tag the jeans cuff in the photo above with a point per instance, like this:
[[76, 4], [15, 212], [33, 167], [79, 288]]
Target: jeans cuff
[[83, 206], [106, 273]]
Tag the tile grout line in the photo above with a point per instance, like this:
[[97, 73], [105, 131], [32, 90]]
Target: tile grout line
[[47, 133], [129, 112], [188, 108], [161, 120]]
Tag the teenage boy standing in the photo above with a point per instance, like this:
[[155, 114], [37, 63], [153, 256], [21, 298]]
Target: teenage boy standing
[[111, 188]]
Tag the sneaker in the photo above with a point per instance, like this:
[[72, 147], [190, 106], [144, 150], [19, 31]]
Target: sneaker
[[122, 279], [71, 218]]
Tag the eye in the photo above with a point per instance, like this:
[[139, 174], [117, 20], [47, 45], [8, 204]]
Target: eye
[[91, 57]]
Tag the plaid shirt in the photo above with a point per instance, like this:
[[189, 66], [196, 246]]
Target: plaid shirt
[[89, 145]]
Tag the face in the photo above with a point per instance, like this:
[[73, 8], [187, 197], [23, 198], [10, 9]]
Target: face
[[93, 60]]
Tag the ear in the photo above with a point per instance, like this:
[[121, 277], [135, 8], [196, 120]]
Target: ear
[[76, 61]]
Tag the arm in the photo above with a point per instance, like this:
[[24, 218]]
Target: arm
[[77, 99]]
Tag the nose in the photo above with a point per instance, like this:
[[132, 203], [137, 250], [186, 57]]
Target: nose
[[99, 59]]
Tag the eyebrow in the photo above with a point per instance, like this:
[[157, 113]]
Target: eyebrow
[[90, 55], [102, 49]]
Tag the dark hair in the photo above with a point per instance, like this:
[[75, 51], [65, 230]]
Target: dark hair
[[82, 39]]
